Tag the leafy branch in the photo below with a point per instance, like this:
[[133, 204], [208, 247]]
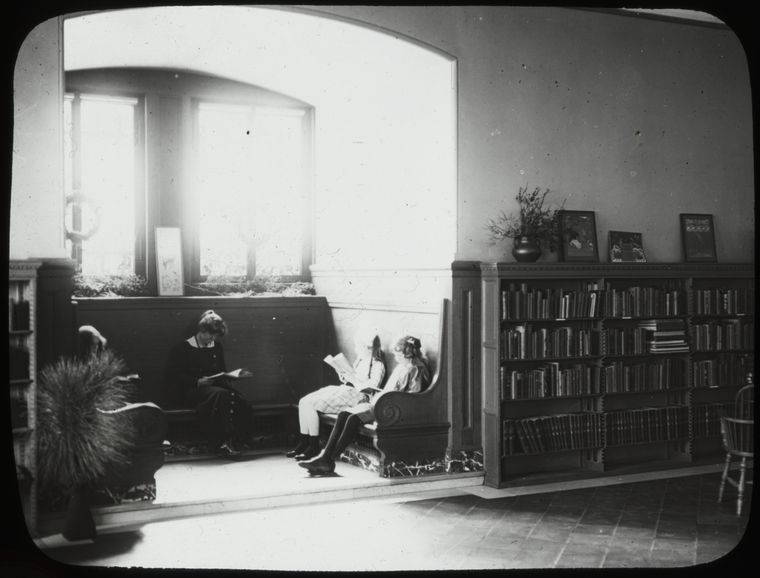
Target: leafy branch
[[533, 220]]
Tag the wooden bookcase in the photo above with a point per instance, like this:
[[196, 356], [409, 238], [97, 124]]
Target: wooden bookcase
[[22, 297], [600, 369]]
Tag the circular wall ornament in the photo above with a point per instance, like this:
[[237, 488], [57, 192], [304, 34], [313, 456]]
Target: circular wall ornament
[[83, 202]]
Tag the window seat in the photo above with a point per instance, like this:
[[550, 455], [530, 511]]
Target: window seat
[[410, 434]]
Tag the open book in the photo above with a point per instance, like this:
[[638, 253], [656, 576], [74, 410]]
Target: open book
[[340, 364], [234, 374]]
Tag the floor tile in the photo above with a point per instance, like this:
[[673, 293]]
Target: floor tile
[[581, 560], [634, 532], [643, 524], [667, 559], [615, 559], [594, 529]]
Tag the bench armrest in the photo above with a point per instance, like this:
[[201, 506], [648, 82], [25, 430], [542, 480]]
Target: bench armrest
[[397, 408]]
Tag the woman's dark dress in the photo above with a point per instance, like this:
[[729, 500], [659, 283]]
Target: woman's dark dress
[[223, 413]]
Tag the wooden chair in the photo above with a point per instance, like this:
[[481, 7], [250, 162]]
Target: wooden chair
[[738, 433]]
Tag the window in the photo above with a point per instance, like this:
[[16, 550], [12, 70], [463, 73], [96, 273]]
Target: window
[[226, 163], [100, 175], [250, 196]]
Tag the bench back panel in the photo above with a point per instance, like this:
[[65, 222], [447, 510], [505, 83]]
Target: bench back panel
[[282, 340]]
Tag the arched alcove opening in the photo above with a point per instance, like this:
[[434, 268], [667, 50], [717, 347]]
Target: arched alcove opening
[[384, 114]]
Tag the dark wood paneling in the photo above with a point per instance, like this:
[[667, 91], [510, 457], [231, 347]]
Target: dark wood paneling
[[55, 317], [465, 384], [281, 339]]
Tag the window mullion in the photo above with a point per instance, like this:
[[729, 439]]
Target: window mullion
[[251, 245], [76, 175]]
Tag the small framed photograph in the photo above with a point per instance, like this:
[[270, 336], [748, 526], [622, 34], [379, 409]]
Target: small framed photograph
[[169, 261], [578, 236], [698, 238], [626, 247]]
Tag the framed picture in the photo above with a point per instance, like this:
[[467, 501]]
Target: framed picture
[[626, 247], [169, 261], [698, 238], [577, 231]]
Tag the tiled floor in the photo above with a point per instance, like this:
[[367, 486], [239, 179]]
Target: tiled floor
[[659, 523]]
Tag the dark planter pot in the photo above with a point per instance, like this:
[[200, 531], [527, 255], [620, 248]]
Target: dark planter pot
[[526, 249], [79, 523]]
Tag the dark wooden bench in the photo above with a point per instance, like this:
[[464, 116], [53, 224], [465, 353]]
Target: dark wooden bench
[[410, 434], [281, 339], [274, 424]]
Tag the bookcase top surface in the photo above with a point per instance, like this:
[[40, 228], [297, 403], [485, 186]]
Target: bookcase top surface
[[610, 270]]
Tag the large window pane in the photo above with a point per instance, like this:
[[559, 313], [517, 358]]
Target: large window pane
[[103, 149], [280, 201], [250, 195], [225, 179]]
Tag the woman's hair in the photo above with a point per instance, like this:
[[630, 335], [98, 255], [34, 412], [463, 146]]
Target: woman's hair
[[377, 349], [211, 322], [365, 336], [91, 342], [409, 346]]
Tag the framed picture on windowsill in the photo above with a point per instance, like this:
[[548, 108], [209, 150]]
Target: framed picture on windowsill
[[578, 236], [626, 247], [698, 238], [169, 261]]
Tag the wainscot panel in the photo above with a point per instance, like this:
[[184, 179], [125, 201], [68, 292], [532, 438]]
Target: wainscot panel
[[282, 340]]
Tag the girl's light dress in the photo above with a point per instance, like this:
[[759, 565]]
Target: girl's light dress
[[336, 398], [411, 378]]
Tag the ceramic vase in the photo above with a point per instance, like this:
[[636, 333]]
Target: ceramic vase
[[526, 249]]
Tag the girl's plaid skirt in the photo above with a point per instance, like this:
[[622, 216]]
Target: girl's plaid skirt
[[336, 398]]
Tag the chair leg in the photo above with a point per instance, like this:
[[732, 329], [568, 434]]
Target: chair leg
[[742, 473], [723, 477]]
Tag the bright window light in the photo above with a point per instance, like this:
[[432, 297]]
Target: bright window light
[[100, 168], [250, 193]]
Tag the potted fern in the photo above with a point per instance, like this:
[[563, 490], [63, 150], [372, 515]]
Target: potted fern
[[78, 441], [534, 228]]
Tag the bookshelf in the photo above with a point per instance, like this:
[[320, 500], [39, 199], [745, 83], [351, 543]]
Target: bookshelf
[[592, 369], [22, 289]]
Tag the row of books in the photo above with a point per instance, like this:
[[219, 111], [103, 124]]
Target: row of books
[[657, 375], [18, 362], [625, 340], [19, 408], [526, 342], [642, 302], [550, 303], [727, 370], [18, 315], [549, 380], [573, 431], [557, 303], [723, 335], [646, 425], [724, 301], [552, 380], [541, 434], [705, 422], [650, 336]]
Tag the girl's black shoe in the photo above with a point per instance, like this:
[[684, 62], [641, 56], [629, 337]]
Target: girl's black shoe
[[229, 452], [312, 449], [307, 454], [319, 465]]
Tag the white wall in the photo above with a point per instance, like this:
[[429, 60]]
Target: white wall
[[385, 117], [634, 118], [36, 209]]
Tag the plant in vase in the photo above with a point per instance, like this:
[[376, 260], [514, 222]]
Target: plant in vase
[[535, 227], [78, 441]]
